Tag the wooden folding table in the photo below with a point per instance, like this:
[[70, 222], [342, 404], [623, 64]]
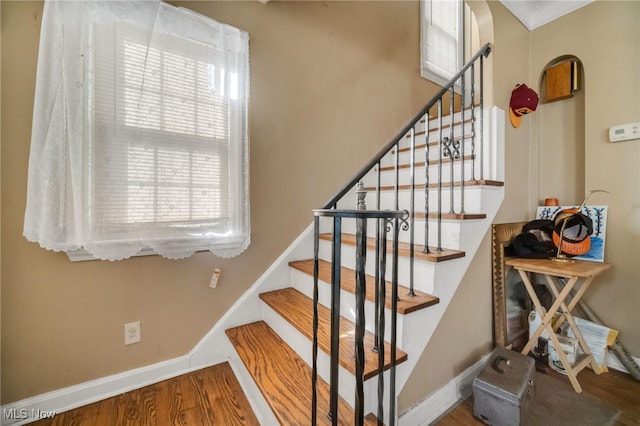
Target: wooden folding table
[[579, 275]]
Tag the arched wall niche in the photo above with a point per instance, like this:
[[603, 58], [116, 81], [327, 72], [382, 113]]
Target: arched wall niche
[[561, 139], [577, 76]]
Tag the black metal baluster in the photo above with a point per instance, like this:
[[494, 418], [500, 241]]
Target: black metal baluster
[[473, 123], [335, 319], [397, 177], [412, 211], [359, 332], [452, 156], [394, 320], [377, 279], [481, 119], [462, 149], [441, 145], [314, 371], [382, 249], [378, 186], [426, 184]]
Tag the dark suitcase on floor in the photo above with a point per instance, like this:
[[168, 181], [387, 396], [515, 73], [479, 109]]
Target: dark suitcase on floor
[[503, 389]]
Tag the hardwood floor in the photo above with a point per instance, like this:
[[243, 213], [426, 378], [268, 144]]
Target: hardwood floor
[[616, 389], [211, 396]]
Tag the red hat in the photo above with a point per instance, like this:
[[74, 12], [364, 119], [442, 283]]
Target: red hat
[[523, 101]]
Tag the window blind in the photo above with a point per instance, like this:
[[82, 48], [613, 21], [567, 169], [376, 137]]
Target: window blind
[[159, 159], [442, 28]]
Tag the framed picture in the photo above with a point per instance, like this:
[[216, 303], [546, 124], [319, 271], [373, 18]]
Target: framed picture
[[598, 215]]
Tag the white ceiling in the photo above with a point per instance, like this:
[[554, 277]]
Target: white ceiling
[[535, 13]]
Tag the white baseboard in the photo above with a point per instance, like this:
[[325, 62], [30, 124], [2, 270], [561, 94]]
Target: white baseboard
[[30, 409], [435, 405]]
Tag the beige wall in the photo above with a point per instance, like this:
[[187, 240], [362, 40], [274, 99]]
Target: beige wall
[[327, 77]]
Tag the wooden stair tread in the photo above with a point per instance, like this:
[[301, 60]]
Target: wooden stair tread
[[456, 216], [284, 378], [477, 182], [297, 309], [406, 304], [403, 248]]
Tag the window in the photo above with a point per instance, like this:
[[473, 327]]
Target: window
[[442, 34], [146, 147]]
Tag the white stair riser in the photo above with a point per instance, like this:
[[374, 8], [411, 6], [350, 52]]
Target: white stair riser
[[470, 147], [304, 283], [420, 137], [420, 154], [452, 233], [388, 177], [472, 200], [450, 237], [423, 271]]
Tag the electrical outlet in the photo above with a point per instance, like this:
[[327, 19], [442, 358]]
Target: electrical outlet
[[132, 332], [214, 278]]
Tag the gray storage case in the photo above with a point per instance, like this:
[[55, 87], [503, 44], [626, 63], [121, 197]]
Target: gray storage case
[[503, 389]]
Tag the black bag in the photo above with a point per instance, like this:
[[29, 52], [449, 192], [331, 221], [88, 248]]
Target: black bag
[[535, 242]]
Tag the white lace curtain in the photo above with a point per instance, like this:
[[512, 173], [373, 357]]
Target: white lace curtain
[[140, 135]]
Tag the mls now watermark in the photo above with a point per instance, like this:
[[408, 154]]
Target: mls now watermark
[[23, 414]]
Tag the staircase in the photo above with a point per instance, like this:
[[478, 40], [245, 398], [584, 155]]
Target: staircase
[[332, 331]]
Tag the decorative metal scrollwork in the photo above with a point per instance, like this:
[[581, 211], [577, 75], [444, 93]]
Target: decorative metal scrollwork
[[403, 222], [451, 148]]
